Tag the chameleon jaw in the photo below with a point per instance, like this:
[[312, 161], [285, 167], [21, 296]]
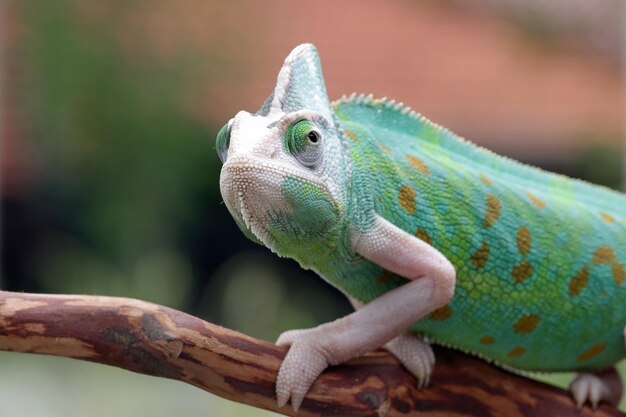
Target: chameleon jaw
[[252, 191]]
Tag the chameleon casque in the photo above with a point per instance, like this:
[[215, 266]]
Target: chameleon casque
[[432, 238]]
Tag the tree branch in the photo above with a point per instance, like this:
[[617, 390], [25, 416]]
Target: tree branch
[[156, 340]]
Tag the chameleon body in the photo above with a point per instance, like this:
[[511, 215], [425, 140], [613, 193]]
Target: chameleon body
[[365, 191], [539, 257]]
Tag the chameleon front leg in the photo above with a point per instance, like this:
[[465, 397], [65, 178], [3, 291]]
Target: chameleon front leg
[[411, 350], [431, 286]]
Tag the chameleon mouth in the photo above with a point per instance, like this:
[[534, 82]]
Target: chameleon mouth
[[251, 223], [252, 191]]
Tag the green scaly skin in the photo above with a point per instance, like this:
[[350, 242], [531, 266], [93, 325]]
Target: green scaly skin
[[539, 257]]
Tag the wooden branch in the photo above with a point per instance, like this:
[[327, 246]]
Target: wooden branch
[[156, 340]]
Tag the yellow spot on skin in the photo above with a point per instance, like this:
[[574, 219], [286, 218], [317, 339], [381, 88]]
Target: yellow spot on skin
[[522, 272], [592, 352], [526, 324], [481, 256], [536, 200], [422, 234], [485, 179], [384, 277], [406, 198], [385, 149], [351, 135], [579, 282], [618, 273], [442, 313], [607, 217], [624, 222], [523, 240], [418, 164], [516, 352], [606, 255], [493, 210], [488, 340]]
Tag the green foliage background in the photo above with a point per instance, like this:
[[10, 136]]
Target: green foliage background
[[127, 174]]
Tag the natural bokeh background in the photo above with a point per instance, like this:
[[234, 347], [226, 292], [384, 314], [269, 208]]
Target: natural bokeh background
[[108, 113]]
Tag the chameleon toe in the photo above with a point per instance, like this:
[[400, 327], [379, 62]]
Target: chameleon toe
[[415, 354], [300, 368], [603, 386]]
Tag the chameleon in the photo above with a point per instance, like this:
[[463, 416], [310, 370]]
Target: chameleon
[[432, 238]]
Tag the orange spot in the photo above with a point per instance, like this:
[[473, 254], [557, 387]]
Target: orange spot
[[516, 352], [535, 200], [618, 273], [406, 198], [522, 272], [487, 340], [526, 324], [442, 313], [422, 234], [351, 135], [485, 179], [523, 240], [384, 277], [604, 255], [481, 256], [607, 217], [418, 164], [579, 282], [385, 149], [592, 352], [493, 210]]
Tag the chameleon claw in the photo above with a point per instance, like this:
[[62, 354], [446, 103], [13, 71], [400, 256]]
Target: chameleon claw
[[595, 395], [596, 387], [281, 397], [300, 368], [415, 354]]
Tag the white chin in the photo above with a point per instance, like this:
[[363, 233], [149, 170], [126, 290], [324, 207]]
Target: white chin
[[255, 224]]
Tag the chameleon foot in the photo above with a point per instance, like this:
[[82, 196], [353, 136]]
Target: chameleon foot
[[415, 354], [596, 387], [304, 362]]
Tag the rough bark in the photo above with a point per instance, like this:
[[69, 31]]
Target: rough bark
[[156, 340]]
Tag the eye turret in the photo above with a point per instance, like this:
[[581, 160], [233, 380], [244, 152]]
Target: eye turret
[[304, 142]]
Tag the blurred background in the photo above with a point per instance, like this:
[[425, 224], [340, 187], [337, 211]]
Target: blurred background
[[109, 177]]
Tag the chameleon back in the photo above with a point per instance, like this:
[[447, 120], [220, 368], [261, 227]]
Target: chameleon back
[[539, 257]]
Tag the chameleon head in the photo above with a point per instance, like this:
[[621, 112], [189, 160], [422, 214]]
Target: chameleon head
[[283, 167]]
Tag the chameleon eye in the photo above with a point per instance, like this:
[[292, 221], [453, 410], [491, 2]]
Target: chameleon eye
[[222, 142], [304, 142]]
